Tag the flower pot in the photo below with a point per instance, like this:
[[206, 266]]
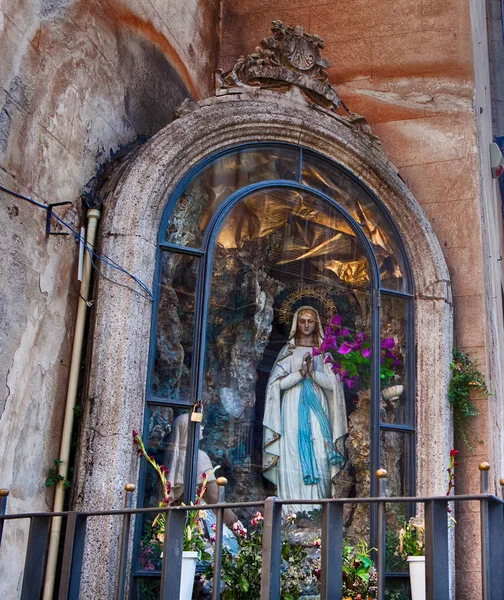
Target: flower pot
[[417, 577], [392, 393], [189, 560]]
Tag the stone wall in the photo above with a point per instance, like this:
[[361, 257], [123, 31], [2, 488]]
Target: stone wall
[[79, 80]]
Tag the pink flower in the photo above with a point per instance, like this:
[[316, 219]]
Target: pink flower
[[213, 527], [337, 320], [388, 343]]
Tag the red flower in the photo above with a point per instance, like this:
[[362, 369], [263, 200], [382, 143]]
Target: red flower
[[454, 452]]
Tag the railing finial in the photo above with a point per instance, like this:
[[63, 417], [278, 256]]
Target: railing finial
[[381, 473], [502, 482], [222, 481], [484, 466], [3, 493], [130, 487]]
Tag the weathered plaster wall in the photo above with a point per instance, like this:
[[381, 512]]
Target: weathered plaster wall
[[409, 68], [79, 79]]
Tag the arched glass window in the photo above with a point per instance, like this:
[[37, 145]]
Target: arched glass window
[[284, 308]]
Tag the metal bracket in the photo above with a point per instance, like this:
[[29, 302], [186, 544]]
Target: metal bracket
[[48, 219]]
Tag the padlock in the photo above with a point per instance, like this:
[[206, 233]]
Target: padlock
[[196, 417]]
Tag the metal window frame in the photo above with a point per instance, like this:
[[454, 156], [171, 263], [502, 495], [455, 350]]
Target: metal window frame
[[202, 295]]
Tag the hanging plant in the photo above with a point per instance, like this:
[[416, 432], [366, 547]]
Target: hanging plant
[[465, 379]]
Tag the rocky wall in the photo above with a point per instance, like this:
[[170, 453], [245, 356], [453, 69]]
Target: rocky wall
[[79, 81]]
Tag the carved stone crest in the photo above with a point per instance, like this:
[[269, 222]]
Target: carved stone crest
[[288, 57]]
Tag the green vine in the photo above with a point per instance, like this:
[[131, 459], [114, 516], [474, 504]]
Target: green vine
[[465, 379], [53, 476]]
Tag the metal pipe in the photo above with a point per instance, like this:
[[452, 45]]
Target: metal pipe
[[121, 587], [3, 509], [93, 216]]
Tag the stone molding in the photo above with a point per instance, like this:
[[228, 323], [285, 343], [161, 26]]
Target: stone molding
[[132, 215]]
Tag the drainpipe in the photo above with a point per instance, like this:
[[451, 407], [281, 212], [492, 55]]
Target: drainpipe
[[93, 216]]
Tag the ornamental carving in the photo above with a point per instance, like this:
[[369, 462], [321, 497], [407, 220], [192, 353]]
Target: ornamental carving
[[288, 57]]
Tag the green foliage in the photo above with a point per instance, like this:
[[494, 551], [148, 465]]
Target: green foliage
[[411, 537], [360, 578], [53, 476], [465, 378]]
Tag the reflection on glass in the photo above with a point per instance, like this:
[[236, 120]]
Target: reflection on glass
[[394, 453], [219, 180], [394, 384], [322, 175], [394, 457], [175, 327], [277, 418]]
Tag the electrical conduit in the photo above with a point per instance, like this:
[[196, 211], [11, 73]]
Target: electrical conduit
[[93, 216]]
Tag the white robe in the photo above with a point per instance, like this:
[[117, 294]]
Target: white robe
[[281, 461]]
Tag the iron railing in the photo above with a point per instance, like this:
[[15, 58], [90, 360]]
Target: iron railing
[[436, 544]]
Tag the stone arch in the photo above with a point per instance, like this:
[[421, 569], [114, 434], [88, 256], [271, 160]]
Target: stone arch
[[130, 227]]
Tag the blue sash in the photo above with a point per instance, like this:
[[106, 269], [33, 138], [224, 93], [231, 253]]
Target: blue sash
[[310, 402]]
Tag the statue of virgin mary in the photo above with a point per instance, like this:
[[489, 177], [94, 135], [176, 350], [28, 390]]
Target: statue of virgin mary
[[304, 418]]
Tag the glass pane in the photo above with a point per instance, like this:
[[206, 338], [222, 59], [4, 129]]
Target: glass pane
[[326, 177], [219, 180], [397, 588], [394, 379], [394, 454], [175, 327], [278, 251]]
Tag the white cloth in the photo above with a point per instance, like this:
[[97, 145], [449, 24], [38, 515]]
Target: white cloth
[[281, 461]]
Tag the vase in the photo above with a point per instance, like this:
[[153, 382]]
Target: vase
[[392, 393], [417, 577], [189, 560]]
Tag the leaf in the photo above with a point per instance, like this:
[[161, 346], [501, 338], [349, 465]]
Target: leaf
[[243, 583]]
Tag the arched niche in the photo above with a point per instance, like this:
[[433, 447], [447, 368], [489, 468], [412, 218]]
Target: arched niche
[[129, 234]]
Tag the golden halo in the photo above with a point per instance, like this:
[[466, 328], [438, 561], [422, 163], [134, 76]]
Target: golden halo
[[285, 314]]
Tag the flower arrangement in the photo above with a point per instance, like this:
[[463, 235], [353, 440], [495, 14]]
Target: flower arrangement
[[241, 573], [360, 578], [350, 354], [411, 537], [151, 545]]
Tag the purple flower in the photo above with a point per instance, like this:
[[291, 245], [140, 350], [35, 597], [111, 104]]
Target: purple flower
[[366, 352], [337, 320], [388, 343], [362, 336], [344, 332], [315, 352], [345, 348]]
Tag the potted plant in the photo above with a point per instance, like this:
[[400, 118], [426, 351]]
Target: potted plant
[[350, 355], [194, 546], [412, 549]]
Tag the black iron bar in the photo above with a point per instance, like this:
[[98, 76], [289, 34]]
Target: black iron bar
[[485, 532], [372, 500], [217, 566], [437, 566], [496, 545], [72, 556], [331, 556], [121, 586], [381, 475], [172, 555], [33, 576], [271, 550]]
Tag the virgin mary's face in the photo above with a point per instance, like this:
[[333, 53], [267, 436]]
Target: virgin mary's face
[[306, 323]]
